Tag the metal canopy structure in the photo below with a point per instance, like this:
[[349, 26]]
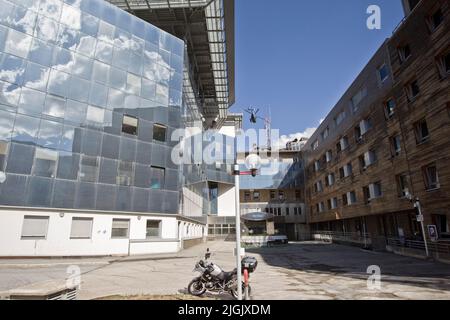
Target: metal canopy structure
[[207, 27]]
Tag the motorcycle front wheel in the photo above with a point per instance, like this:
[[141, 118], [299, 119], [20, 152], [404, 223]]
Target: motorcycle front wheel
[[196, 287], [234, 292]]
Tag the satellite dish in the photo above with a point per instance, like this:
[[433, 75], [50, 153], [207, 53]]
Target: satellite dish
[[2, 177]]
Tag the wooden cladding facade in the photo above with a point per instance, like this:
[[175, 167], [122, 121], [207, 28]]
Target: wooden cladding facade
[[420, 91]]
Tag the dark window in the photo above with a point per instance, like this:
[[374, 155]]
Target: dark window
[[435, 20], [389, 108], [383, 72], [89, 169], [159, 132], [272, 195], [412, 4], [431, 177], [396, 146], [287, 211], [402, 185], [345, 199], [366, 192], [421, 130], [404, 53], [256, 195], [125, 174], [45, 163], [157, 177], [153, 229], [130, 125]]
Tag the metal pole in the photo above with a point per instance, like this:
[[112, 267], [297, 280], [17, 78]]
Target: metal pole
[[419, 209], [238, 232]]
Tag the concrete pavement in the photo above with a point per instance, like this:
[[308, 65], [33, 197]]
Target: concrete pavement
[[298, 271]]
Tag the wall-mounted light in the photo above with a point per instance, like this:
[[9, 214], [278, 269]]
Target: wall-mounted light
[[61, 214], [139, 217]]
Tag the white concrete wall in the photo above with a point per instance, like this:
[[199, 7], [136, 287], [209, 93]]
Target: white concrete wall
[[226, 201], [192, 203], [58, 242]]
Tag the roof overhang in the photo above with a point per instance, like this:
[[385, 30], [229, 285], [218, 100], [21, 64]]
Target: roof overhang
[[207, 27]]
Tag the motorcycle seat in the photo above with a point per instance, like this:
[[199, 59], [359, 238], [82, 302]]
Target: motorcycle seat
[[229, 275]]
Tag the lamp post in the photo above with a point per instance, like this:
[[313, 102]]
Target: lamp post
[[237, 173], [420, 218], [238, 231]]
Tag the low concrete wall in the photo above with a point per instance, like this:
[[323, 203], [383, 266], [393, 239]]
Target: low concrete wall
[[189, 243]]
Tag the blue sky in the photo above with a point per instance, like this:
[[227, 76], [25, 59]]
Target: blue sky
[[299, 56]]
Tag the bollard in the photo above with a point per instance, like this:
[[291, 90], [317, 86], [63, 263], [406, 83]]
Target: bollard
[[246, 281]]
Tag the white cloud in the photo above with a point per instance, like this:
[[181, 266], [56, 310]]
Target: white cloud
[[281, 142]]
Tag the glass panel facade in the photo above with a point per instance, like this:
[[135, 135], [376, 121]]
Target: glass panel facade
[[70, 71]]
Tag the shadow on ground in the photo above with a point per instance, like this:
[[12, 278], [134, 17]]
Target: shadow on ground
[[352, 262]]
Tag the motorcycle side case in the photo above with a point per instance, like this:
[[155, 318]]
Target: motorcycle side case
[[249, 263]]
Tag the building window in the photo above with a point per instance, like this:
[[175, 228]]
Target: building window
[[375, 190], [330, 180], [389, 108], [421, 131], [45, 163], [402, 185], [316, 165], [315, 145], [358, 98], [435, 20], [318, 186], [334, 203], [81, 228], [288, 212], [383, 73], [298, 195], [412, 90], [346, 171], [159, 132], [366, 193], [325, 133], [362, 128], [281, 196], [329, 156], [345, 199], [256, 195], [367, 159], [125, 174], [130, 125], [396, 146], [247, 196], [34, 227], [351, 197], [342, 145], [3, 154], [431, 177], [404, 53], [157, 177], [120, 228], [340, 117], [443, 63], [88, 169], [412, 4], [153, 229], [272, 195], [295, 211]]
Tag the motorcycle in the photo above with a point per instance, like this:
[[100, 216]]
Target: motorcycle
[[213, 279]]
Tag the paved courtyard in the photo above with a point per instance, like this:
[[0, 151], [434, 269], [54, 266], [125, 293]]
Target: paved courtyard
[[306, 270]]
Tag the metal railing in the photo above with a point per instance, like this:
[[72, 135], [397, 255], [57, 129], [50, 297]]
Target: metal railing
[[440, 249], [344, 237]]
